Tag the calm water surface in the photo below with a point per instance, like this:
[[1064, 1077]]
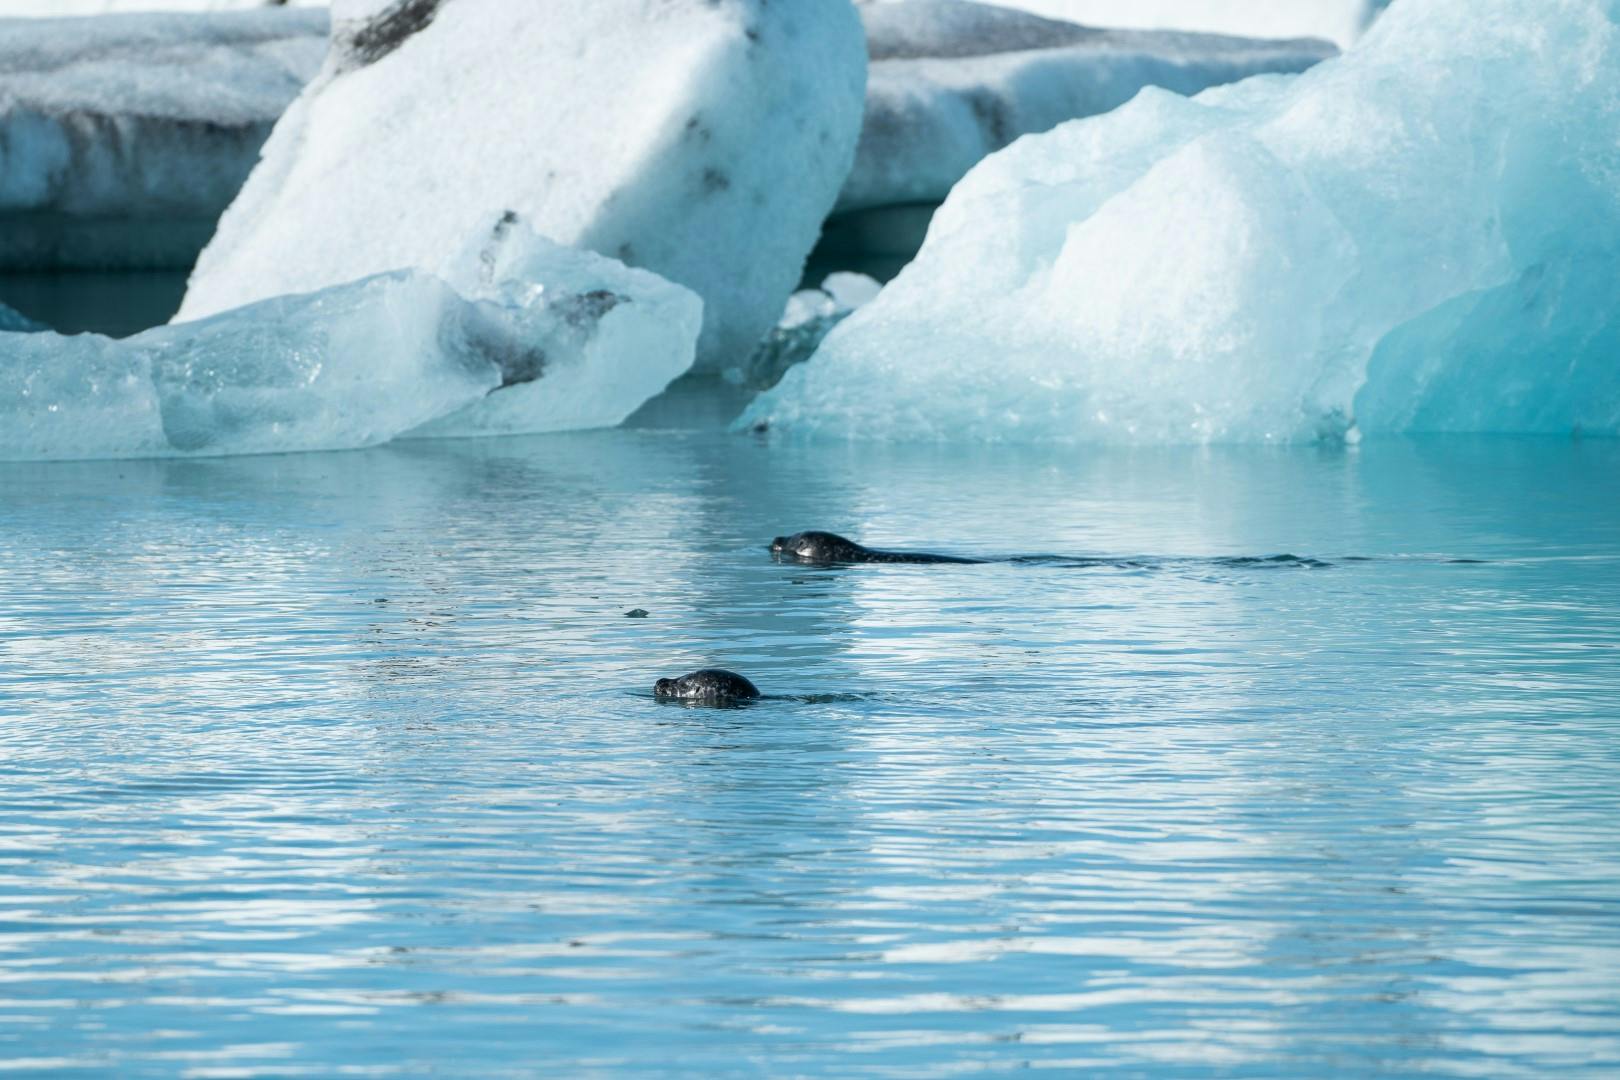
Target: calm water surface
[[347, 765]]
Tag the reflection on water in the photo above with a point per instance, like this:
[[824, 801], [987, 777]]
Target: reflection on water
[[346, 764]]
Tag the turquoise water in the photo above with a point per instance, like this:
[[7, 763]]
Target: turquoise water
[[348, 764]]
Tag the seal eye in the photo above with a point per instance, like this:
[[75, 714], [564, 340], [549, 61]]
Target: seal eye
[[664, 686]]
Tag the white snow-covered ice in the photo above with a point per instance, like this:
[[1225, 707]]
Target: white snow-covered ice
[[51, 9], [1338, 21], [544, 339], [705, 140], [123, 138], [133, 133], [1420, 235], [953, 81]]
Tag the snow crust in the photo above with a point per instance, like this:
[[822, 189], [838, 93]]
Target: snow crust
[[545, 339], [705, 140], [123, 138], [1421, 235], [952, 82]]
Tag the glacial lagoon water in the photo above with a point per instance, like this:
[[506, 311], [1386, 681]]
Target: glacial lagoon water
[[347, 764]]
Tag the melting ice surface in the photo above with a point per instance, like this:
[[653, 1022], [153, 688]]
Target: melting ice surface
[[595, 338], [534, 337], [1420, 235], [350, 366], [1183, 822]]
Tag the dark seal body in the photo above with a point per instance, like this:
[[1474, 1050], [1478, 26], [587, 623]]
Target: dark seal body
[[828, 548], [711, 686]]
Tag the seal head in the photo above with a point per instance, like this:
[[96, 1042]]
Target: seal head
[[819, 547], [825, 548], [711, 686]]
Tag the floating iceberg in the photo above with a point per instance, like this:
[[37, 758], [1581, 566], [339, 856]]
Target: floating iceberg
[[135, 133], [123, 138], [350, 366], [952, 82], [550, 340], [1420, 235], [1338, 21], [705, 140]]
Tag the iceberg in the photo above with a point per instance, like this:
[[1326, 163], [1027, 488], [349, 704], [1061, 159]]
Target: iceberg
[[1338, 21], [1421, 235], [123, 138], [952, 82], [548, 339], [704, 140], [133, 134]]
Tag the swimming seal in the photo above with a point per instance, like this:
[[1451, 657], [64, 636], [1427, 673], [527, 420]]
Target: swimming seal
[[711, 686], [828, 548]]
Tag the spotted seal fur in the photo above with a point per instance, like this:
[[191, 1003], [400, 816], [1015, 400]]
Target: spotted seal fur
[[710, 686], [827, 548]]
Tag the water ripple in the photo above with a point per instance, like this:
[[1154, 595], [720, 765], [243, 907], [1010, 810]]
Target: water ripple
[[348, 765]]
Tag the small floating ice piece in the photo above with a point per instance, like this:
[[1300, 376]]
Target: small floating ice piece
[[537, 338], [346, 367]]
